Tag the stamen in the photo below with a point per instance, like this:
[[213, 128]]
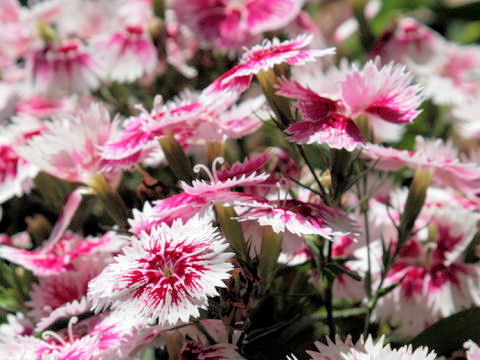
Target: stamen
[[50, 334], [218, 160], [212, 176], [199, 167], [71, 322]]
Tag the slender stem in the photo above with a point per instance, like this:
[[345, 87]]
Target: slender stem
[[329, 296], [110, 199], [312, 170]]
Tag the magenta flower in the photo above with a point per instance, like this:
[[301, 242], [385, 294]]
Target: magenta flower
[[100, 337], [435, 280], [167, 275], [263, 57], [230, 25], [383, 92]]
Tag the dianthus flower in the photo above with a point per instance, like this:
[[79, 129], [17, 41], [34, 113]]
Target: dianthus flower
[[166, 275], [69, 147], [441, 159], [230, 25], [264, 57], [367, 350], [382, 93]]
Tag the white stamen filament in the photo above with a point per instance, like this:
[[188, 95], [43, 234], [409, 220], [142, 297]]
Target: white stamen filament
[[71, 322], [50, 334], [212, 175]]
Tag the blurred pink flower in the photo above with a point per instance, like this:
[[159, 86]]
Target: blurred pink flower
[[69, 148], [434, 155], [229, 25], [62, 69], [126, 55]]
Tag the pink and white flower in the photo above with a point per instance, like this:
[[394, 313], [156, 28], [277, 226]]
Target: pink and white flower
[[190, 120], [367, 350], [16, 173], [230, 25], [66, 68], [473, 351], [63, 295], [100, 337], [60, 256], [167, 275], [263, 57], [385, 94], [434, 155], [127, 54], [69, 148]]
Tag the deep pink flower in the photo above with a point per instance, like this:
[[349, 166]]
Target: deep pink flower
[[167, 275], [16, 173], [100, 337], [263, 57], [383, 92], [229, 25]]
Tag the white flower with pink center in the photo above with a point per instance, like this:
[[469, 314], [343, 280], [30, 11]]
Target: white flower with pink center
[[230, 24], [435, 280], [69, 148], [128, 54], [66, 68], [263, 57], [367, 350], [165, 276]]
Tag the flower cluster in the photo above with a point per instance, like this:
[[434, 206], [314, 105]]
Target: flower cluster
[[210, 179]]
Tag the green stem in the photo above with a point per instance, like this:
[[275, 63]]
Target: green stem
[[110, 199]]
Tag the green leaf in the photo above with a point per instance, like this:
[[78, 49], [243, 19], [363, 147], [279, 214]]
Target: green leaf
[[337, 270], [449, 334]]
